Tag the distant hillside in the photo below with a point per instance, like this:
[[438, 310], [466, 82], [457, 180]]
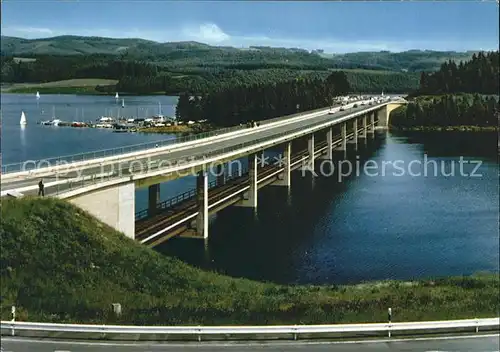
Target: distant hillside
[[68, 45], [199, 54]]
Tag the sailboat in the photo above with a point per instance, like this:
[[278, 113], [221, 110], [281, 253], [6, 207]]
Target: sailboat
[[55, 122], [38, 95], [159, 115], [123, 103], [23, 119], [116, 95]]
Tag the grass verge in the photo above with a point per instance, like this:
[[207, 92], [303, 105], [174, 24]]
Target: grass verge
[[59, 264]]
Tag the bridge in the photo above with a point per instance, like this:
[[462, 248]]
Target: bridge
[[104, 183]]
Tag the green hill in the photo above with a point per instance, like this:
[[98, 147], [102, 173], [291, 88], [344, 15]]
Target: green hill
[[60, 264], [196, 54]]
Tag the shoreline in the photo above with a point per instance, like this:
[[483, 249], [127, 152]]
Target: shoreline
[[72, 91], [462, 128], [179, 129]]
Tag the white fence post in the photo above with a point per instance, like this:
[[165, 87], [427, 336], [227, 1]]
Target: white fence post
[[389, 318], [13, 310]]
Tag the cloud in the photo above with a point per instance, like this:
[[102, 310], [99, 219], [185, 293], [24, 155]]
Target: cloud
[[211, 33], [207, 33]]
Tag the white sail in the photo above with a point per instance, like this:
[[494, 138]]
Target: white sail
[[116, 95], [123, 103], [38, 95], [23, 119]]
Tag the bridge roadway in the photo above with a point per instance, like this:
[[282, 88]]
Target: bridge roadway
[[477, 343], [174, 218], [58, 184]]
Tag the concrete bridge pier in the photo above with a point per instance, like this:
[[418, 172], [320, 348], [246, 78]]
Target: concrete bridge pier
[[343, 136], [202, 200], [153, 198], [365, 124], [115, 206], [284, 178], [382, 117], [364, 134], [308, 165], [220, 173], [250, 197], [371, 129], [384, 114], [329, 145], [354, 139]]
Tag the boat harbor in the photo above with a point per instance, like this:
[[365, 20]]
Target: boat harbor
[[116, 117]]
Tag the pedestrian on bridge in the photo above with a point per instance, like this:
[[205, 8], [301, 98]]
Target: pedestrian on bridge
[[41, 187]]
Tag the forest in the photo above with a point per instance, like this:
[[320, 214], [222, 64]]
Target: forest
[[457, 95], [258, 102], [448, 110], [479, 75], [240, 104], [145, 77]]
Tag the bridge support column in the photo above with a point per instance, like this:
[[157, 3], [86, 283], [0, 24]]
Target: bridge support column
[[343, 136], [309, 163], [329, 145], [383, 117], [202, 200], [371, 130], [365, 124], [153, 198], [220, 175], [285, 177], [355, 133], [114, 206], [250, 197]]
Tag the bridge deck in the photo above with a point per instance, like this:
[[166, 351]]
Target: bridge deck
[[177, 219], [149, 161]]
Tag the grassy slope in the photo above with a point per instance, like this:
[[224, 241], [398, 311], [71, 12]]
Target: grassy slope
[[60, 264]]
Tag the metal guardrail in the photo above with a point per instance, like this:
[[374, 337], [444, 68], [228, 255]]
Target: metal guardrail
[[17, 167], [16, 328], [79, 183]]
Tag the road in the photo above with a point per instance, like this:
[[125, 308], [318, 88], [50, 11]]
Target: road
[[484, 343], [169, 157]]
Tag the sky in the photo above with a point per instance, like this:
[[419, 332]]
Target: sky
[[334, 26]]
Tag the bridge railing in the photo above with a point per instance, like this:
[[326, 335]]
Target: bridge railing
[[170, 202], [103, 153], [188, 157], [14, 328]]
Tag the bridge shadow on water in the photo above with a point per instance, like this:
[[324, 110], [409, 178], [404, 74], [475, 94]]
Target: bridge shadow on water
[[361, 228]]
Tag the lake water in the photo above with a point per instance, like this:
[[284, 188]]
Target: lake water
[[368, 227], [35, 142]]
